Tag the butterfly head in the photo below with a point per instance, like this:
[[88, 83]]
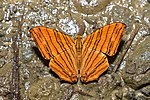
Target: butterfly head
[[78, 36]]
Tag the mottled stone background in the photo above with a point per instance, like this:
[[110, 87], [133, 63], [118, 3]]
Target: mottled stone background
[[38, 82]]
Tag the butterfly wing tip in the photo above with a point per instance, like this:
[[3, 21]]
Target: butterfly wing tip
[[124, 25]]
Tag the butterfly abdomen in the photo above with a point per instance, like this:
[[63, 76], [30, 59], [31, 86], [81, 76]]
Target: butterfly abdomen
[[78, 45]]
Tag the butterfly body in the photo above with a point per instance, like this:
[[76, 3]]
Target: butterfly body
[[78, 45], [80, 59]]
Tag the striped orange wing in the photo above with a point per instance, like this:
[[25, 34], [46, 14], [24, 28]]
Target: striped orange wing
[[103, 41], [59, 48]]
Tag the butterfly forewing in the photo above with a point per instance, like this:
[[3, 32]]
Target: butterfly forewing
[[60, 49], [50, 42], [105, 39]]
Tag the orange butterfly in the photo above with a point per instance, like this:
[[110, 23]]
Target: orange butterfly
[[78, 59]]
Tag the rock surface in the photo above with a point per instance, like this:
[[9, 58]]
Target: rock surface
[[38, 82]]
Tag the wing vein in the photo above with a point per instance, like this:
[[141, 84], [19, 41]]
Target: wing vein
[[66, 53], [108, 47]]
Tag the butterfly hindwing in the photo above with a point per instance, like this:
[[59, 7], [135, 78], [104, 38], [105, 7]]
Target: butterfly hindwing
[[64, 65], [94, 63]]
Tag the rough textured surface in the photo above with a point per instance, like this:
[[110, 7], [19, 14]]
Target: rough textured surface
[[38, 82], [137, 71]]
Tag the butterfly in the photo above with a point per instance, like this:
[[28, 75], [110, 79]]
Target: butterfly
[[79, 59]]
